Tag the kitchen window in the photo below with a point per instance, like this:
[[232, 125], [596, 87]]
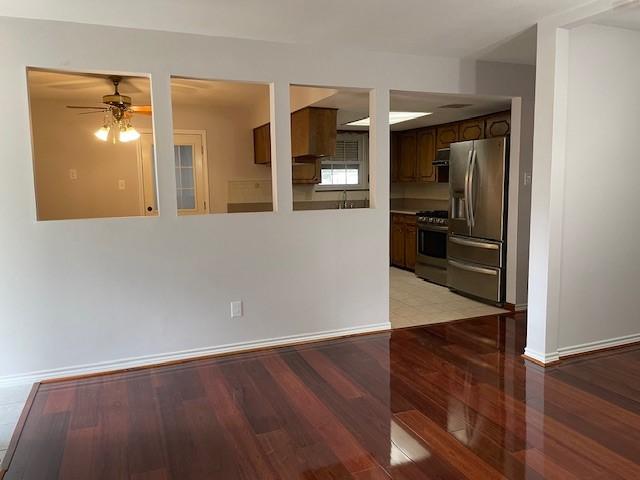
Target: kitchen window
[[348, 168]]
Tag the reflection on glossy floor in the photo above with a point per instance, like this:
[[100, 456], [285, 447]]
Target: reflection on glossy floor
[[417, 302], [447, 401]]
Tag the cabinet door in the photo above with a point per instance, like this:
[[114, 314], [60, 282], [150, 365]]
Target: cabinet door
[[407, 156], [397, 242], [410, 246], [426, 140], [393, 155], [498, 125], [262, 145], [472, 129], [313, 133], [306, 173], [446, 135]]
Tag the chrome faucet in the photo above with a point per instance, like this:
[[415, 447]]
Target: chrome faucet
[[343, 203]]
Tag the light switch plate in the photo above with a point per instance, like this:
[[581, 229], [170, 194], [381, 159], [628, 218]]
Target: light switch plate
[[121, 184], [236, 309], [73, 174]]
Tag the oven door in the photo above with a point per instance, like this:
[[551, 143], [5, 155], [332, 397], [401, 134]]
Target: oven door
[[431, 261], [432, 242]]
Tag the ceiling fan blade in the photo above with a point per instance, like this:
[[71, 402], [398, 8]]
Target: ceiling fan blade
[[86, 108], [93, 111], [142, 109]]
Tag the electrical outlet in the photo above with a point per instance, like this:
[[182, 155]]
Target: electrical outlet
[[73, 174], [236, 309], [121, 185], [526, 180]]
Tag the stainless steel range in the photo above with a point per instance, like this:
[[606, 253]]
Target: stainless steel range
[[431, 259]]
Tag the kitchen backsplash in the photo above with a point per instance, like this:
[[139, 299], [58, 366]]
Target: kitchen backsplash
[[419, 196]]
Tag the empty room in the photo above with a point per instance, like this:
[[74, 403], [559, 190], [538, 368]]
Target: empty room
[[319, 240]]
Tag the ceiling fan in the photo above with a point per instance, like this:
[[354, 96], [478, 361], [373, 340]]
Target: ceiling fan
[[117, 111]]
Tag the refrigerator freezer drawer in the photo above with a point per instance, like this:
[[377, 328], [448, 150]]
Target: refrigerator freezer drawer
[[476, 280], [472, 250]]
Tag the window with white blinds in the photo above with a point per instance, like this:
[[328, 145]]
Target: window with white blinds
[[348, 167]]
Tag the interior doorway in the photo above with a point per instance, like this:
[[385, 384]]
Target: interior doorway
[[444, 264], [191, 173]]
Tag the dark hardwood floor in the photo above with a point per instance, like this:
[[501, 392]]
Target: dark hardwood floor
[[449, 401]]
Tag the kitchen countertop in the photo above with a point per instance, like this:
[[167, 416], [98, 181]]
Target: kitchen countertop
[[404, 212]]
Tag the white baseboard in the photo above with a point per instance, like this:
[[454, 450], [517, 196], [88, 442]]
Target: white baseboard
[[100, 367], [542, 357], [599, 345]]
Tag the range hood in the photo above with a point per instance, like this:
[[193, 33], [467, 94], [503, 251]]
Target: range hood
[[442, 158]]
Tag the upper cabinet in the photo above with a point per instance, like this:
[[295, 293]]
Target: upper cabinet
[[305, 173], [262, 145], [394, 157], [313, 133], [498, 125], [407, 156], [426, 151], [446, 135], [412, 155], [472, 129]]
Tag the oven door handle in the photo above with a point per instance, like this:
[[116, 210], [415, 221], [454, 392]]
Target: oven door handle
[[433, 228]]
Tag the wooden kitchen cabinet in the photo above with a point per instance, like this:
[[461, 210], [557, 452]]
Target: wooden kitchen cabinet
[[407, 156], [397, 243], [393, 156], [426, 153], [305, 173], [472, 129], [410, 245], [403, 248], [262, 145], [313, 133], [498, 125], [446, 135]]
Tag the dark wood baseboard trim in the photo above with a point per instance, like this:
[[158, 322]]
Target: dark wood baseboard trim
[[15, 438], [512, 307], [539, 363]]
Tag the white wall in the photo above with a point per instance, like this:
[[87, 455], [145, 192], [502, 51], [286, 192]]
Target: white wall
[[548, 314], [84, 295], [601, 225], [63, 141], [229, 150]]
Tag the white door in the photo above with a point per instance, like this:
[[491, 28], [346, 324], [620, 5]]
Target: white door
[[192, 192]]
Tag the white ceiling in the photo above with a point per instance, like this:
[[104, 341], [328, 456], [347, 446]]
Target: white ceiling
[[628, 18], [88, 89], [460, 28], [354, 105]]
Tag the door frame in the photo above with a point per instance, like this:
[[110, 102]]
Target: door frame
[[205, 169]]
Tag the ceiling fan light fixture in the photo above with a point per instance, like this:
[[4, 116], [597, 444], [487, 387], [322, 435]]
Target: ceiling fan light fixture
[[128, 134], [102, 133]]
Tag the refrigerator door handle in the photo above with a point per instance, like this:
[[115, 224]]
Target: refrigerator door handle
[[466, 189], [473, 268], [472, 168], [473, 243]]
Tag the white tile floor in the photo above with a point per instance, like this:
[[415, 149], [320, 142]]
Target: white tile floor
[[416, 302], [12, 400]]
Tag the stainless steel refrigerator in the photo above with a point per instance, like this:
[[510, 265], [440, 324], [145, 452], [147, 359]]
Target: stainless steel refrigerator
[[477, 218]]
